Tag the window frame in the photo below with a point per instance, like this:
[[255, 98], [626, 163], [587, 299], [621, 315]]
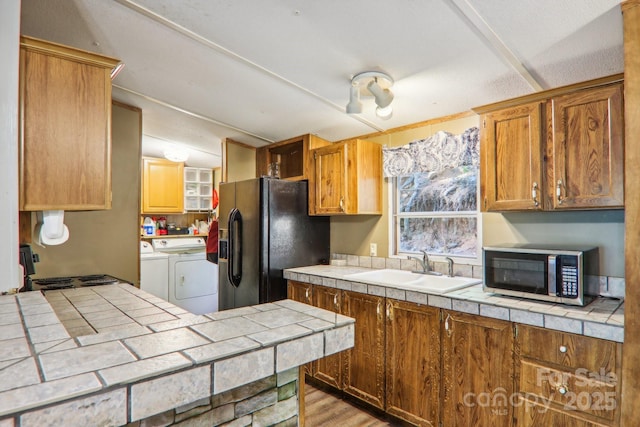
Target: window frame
[[394, 225]]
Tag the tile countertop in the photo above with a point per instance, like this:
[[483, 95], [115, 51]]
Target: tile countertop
[[139, 343], [602, 318]]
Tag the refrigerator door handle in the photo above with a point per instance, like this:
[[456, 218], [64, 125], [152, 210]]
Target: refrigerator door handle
[[235, 247]]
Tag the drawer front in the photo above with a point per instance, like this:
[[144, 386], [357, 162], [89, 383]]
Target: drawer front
[[532, 413], [567, 350], [579, 391]]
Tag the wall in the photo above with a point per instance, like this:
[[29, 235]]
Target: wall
[[105, 241], [238, 160], [352, 235], [10, 272]]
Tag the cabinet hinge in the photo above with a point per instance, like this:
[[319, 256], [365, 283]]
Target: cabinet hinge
[[315, 155], [515, 331], [441, 316], [484, 123]]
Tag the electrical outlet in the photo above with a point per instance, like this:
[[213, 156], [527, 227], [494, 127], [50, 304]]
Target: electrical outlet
[[373, 249]]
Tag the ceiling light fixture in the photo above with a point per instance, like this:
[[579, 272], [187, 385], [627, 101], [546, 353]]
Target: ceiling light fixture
[[176, 154], [371, 83]]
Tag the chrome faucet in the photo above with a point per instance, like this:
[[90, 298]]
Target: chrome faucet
[[449, 266], [424, 263]]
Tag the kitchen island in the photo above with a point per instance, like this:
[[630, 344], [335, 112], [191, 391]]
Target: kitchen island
[[113, 355]]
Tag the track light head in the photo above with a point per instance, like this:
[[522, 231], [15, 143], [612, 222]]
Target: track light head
[[383, 96], [354, 106], [371, 83]]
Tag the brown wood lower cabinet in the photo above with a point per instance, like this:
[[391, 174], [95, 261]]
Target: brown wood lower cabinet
[[478, 370], [413, 362], [435, 367], [328, 369], [567, 379], [302, 292], [364, 363]]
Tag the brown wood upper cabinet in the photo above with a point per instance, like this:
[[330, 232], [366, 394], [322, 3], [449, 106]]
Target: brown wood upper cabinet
[[348, 179], [555, 150], [512, 158], [162, 186], [65, 127], [292, 156], [588, 150]]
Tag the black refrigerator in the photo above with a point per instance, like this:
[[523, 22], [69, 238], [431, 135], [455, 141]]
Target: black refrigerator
[[264, 227]]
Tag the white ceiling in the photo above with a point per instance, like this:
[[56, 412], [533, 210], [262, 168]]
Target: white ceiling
[[266, 70]]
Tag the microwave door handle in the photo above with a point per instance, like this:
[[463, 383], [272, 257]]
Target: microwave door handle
[[552, 283]]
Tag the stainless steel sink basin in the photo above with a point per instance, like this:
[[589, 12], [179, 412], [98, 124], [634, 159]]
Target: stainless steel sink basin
[[404, 279]]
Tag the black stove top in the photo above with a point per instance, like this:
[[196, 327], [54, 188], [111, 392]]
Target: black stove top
[[52, 283]]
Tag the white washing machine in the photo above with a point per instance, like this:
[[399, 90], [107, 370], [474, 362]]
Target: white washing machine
[[154, 271], [193, 281]]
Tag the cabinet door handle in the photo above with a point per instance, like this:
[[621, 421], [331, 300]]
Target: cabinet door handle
[[446, 325], [341, 204], [306, 293], [389, 312], [534, 194], [563, 389], [378, 308], [563, 349], [559, 187], [335, 301]]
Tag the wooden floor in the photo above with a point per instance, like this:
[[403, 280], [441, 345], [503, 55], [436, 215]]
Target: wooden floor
[[325, 409]]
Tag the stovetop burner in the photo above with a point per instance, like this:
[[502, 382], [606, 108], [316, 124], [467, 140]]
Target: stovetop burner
[[52, 283]]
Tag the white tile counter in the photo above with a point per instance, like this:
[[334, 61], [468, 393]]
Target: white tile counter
[[602, 318], [139, 355]]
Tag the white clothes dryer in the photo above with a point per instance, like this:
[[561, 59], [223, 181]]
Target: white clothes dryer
[[193, 281]]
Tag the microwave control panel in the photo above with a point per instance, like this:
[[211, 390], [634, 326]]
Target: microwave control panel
[[569, 275]]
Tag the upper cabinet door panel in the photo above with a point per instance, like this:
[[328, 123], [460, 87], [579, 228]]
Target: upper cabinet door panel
[[65, 138], [588, 149], [162, 186], [512, 158], [331, 188], [348, 179]]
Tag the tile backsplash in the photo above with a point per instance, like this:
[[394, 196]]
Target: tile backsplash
[[613, 287]]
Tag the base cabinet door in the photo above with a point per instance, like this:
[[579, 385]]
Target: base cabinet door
[[478, 371], [364, 363], [301, 292], [413, 362], [328, 369]]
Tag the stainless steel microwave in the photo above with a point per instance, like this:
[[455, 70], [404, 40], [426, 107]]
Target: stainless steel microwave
[[549, 273]]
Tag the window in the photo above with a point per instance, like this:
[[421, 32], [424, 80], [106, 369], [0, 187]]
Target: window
[[437, 212], [435, 202]]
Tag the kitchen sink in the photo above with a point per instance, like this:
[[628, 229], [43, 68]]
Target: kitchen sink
[[412, 281]]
